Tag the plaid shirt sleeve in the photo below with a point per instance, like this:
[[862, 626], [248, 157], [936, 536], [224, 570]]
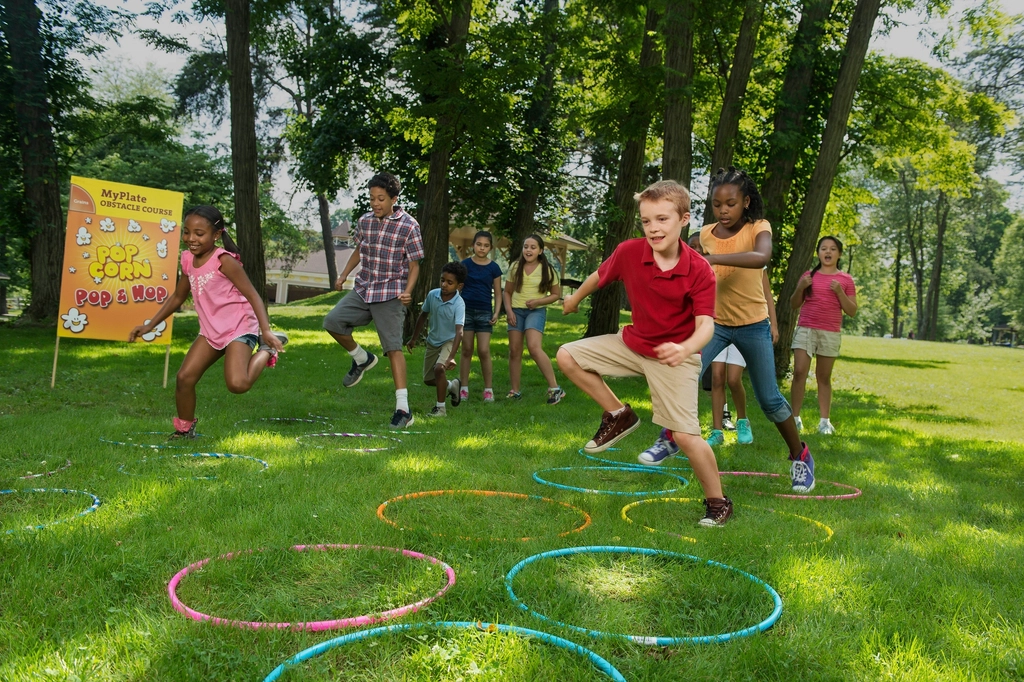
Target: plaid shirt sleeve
[[414, 242]]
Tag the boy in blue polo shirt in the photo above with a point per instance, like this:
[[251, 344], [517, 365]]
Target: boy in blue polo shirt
[[447, 312]]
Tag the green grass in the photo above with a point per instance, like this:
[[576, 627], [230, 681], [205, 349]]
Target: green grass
[[921, 580]]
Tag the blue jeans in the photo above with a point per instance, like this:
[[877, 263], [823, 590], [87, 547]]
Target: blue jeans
[[754, 342]]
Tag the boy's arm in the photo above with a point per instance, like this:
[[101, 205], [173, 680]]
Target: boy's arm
[[758, 258], [421, 322], [414, 272], [172, 303], [572, 302], [353, 261], [770, 298], [450, 362], [674, 354], [232, 269]]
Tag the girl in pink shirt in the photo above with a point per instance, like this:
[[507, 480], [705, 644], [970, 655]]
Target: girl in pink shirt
[[232, 319], [822, 296]]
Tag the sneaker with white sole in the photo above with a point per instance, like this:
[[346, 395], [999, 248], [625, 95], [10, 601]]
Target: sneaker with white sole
[[727, 422], [825, 428], [455, 392], [438, 411], [400, 420], [355, 375], [716, 437], [488, 395], [612, 430], [801, 471], [555, 395], [744, 435], [662, 449], [717, 511], [463, 392]]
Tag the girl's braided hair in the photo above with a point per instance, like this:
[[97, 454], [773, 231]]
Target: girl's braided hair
[[754, 209]]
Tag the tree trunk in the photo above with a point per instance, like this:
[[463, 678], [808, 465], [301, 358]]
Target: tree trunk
[[244, 168], [536, 119], [3, 270], [735, 89], [38, 157], [325, 229], [896, 296], [606, 302], [809, 226], [677, 158], [931, 329], [435, 219], [787, 138]]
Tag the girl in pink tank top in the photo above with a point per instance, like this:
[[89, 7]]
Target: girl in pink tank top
[[232, 318]]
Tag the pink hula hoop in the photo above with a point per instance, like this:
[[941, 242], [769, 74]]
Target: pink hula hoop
[[312, 626], [848, 496]]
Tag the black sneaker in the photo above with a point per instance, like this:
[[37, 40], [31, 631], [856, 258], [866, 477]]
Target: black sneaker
[[454, 392], [400, 420], [356, 373], [717, 512], [727, 422], [190, 434]]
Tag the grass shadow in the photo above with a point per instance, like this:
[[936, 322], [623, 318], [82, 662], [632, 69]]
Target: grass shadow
[[895, 362]]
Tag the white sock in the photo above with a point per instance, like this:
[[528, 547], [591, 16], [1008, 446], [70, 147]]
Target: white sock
[[488, 388], [441, 405], [824, 420], [359, 354], [464, 386], [617, 412], [402, 399]]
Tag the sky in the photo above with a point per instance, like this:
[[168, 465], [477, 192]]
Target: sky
[[909, 39]]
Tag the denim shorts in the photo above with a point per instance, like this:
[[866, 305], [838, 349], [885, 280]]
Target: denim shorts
[[251, 340], [478, 321], [529, 319]]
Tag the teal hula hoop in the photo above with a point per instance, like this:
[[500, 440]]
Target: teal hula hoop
[[640, 639], [632, 469], [630, 465], [207, 455], [601, 664], [67, 491], [146, 445]]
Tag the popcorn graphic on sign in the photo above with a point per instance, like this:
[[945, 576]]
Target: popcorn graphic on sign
[[145, 237], [98, 280], [75, 320], [107, 225], [161, 248], [85, 255], [88, 221], [164, 275], [134, 226], [72, 270], [83, 237], [167, 225], [157, 331]]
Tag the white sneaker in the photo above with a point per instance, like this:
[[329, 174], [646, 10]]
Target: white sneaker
[[799, 424], [825, 428]]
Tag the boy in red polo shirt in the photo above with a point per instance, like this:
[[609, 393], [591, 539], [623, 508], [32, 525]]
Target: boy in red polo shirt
[[672, 293]]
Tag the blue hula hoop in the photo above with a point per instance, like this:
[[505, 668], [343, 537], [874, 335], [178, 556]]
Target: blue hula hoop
[[146, 445], [600, 663], [208, 455], [639, 639], [630, 465], [95, 505], [635, 470]]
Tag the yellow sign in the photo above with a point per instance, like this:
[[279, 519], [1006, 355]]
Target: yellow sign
[[120, 259]]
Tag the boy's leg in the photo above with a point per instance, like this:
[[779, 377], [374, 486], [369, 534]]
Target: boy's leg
[[200, 357], [717, 394], [440, 382], [589, 382], [389, 317], [702, 460], [350, 312], [242, 367]]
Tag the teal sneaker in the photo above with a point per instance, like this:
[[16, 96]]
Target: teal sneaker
[[716, 438], [744, 435]]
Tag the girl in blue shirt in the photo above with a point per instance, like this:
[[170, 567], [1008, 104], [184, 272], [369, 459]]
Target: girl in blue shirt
[[483, 280]]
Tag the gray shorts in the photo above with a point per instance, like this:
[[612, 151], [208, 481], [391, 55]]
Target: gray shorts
[[352, 311]]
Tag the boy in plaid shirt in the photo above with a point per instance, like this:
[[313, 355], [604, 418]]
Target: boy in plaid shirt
[[388, 247]]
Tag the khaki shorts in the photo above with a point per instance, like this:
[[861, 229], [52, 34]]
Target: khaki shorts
[[673, 389], [817, 342], [434, 355]]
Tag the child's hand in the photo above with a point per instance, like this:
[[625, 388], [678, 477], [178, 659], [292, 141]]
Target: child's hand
[[671, 354], [339, 284], [531, 304], [494, 319], [775, 334], [805, 281], [269, 339], [570, 305], [411, 344], [836, 287], [405, 298], [511, 317], [137, 332], [450, 364]]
